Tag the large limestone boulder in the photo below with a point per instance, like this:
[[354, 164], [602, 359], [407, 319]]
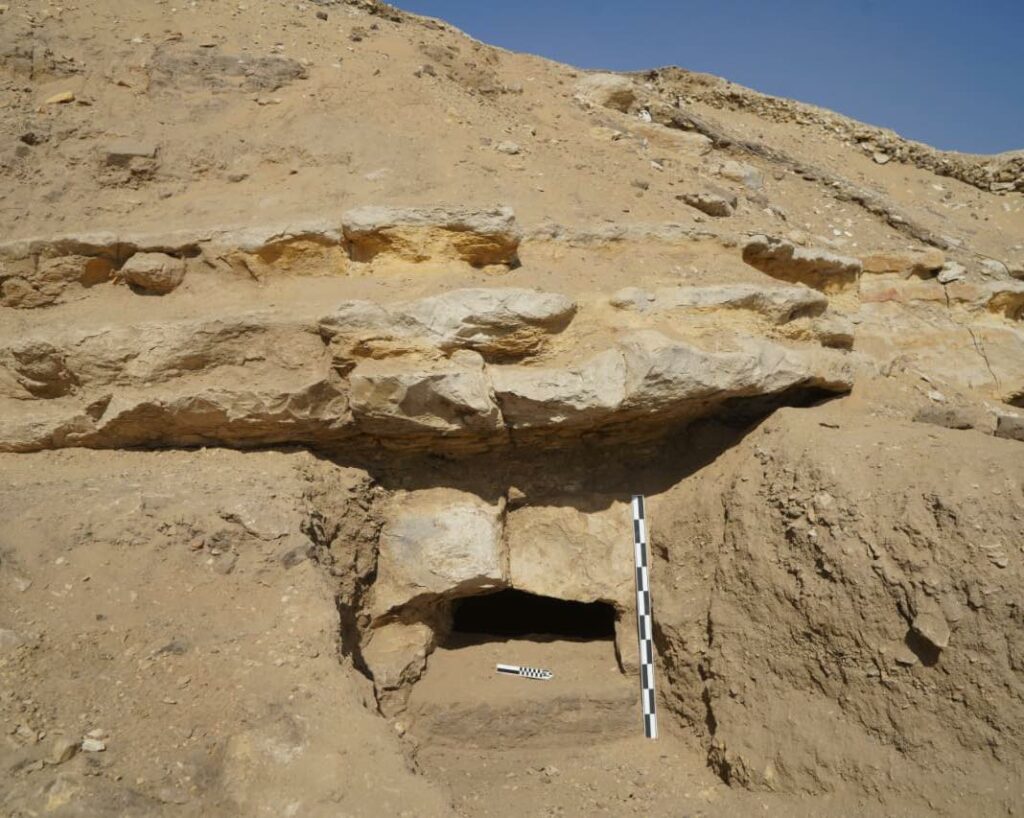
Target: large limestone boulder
[[814, 267], [437, 543], [778, 304], [409, 397], [418, 234]]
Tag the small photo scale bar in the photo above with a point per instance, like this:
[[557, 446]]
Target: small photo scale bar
[[526, 672], [644, 619]]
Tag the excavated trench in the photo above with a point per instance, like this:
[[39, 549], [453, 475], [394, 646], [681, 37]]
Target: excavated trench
[[523, 557], [461, 701]]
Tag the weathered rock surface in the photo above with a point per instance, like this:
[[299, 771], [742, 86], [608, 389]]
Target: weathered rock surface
[[480, 238], [711, 203], [650, 374], [578, 395], [948, 330], [571, 553], [955, 417], [833, 331], [614, 91], [816, 268], [741, 172], [154, 273], [778, 304], [437, 543], [921, 263], [40, 282], [499, 323], [408, 398], [951, 271], [1005, 297], [396, 655], [1010, 427], [310, 249], [42, 271]]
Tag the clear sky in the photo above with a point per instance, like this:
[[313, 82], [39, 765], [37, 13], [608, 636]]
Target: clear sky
[[946, 72]]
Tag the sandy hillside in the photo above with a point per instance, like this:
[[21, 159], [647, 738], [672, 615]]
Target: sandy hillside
[[333, 346]]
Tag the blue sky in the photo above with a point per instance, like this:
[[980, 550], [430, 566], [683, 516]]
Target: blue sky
[[946, 72]]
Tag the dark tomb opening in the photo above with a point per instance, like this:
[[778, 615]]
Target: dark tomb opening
[[510, 614]]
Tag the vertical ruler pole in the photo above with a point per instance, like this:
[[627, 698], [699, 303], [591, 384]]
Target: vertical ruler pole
[[644, 620]]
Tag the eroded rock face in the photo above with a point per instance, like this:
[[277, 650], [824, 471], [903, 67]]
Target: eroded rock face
[[576, 396], [48, 281], [778, 304], [496, 322], [312, 249], [711, 203], [437, 543], [613, 91], [949, 330], [650, 374], [921, 263], [443, 396], [35, 367], [499, 323], [479, 238], [816, 268], [39, 272], [410, 376], [1010, 427], [238, 417]]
